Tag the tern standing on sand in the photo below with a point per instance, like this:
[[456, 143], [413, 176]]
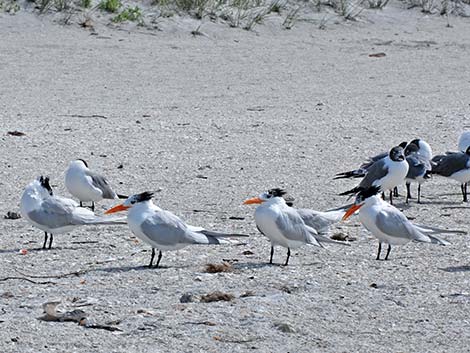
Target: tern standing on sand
[[285, 226], [389, 225], [163, 230], [86, 185], [55, 214]]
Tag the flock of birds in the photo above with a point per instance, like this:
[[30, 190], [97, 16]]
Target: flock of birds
[[275, 216]]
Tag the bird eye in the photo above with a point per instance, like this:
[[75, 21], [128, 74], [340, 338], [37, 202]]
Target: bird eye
[[133, 202]]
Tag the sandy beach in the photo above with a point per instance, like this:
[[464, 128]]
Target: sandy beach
[[206, 122]]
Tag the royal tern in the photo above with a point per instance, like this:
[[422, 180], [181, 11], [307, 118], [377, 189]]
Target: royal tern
[[55, 214], [455, 166], [418, 156], [86, 185], [286, 226], [163, 230], [387, 173], [388, 224]]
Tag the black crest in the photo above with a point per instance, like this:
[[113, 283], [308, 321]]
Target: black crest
[[366, 193], [415, 142], [403, 144], [45, 184], [468, 151], [84, 162], [411, 148], [145, 196], [277, 192]]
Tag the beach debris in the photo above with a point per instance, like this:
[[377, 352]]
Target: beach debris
[[217, 296], [12, 215], [284, 327], [16, 133], [23, 251], [247, 294], [248, 252], [215, 268], [188, 298], [377, 55], [342, 237]]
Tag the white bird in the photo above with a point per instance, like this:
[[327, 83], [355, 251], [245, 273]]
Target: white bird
[[163, 230], [456, 166], [388, 224], [55, 214], [418, 156], [387, 173], [286, 226], [464, 141], [86, 185]]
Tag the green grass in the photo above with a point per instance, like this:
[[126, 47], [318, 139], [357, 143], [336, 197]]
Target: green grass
[[110, 5], [85, 3], [133, 14]]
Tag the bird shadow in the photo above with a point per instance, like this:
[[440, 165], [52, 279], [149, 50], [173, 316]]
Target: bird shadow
[[453, 269], [117, 269], [33, 250], [255, 265]]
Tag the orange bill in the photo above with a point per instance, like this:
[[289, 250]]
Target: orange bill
[[117, 208], [253, 201], [351, 211]]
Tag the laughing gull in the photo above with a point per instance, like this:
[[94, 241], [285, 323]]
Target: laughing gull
[[387, 173]]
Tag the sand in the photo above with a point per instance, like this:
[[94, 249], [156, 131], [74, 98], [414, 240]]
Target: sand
[[208, 121]]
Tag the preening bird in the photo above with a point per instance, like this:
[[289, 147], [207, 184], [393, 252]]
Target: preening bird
[[55, 214], [86, 185]]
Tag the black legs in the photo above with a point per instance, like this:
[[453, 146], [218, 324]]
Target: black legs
[[153, 256], [408, 192], [380, 249], [388, 252], [272, 254], [391, 197], [395, 191], [419, 193], [288, 255], [159, 258], [45, 240], [463, 187]]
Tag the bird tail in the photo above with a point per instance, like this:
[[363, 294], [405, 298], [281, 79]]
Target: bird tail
[[434, 230], [122, 197], [211, 233], [352, 191], [357, 173], [436, 240]]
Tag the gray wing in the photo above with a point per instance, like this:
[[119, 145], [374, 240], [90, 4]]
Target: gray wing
[[293, 227], [377, 171], [312, 219], [54, 213], [446, 165], [101, 183], [372, 160], [417, 166], [167, 229], [394, 223]]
